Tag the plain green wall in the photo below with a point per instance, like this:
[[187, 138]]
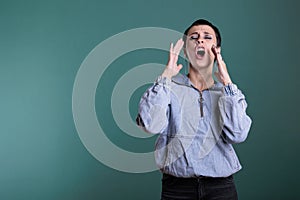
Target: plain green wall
[[42, 45]]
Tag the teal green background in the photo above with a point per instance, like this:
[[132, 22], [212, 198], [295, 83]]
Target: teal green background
[[42, 45]]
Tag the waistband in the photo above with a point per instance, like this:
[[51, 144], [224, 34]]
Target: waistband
[[196, 178]]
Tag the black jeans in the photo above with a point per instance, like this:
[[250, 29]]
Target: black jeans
[[202, 188]]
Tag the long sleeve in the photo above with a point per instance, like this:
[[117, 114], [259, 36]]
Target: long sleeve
[[233, 114], [153, 107]]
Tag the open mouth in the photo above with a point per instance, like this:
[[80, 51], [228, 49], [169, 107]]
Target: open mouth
[[200, 51]]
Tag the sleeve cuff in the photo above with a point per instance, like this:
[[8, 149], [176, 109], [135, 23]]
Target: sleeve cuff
[[230, 89], [163, 80]]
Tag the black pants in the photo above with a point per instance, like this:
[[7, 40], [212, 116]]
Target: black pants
[[202, 188]]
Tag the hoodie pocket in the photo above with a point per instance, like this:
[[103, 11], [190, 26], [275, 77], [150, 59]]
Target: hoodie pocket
[[177, 147]]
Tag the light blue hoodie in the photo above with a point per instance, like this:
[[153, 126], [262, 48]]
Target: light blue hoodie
[[196, 129]]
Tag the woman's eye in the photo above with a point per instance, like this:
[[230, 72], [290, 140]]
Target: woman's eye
[[194, 37], [208, 37]]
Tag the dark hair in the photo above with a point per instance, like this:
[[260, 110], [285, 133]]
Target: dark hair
[[203, 22]]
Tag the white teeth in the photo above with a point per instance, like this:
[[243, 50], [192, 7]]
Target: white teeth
[[201, 51]]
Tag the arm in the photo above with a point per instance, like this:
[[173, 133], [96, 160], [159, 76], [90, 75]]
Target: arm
[[232, 105], [233, 114], [153, 107]]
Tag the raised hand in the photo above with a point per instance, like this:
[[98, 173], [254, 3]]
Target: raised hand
[[222, 73], [172, 67]]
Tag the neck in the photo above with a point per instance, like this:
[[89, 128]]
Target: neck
[[201, 79]]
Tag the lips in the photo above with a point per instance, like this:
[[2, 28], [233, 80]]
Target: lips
[[200, 52]]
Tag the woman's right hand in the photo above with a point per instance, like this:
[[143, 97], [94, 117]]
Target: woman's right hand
[[172, 68]]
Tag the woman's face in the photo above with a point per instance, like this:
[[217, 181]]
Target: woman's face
[[198, 49]]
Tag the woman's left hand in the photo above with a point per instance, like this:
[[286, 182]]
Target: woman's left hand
[[222, 73]]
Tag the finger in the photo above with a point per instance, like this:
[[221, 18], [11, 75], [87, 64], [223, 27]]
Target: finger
[[176, 50], [214, 50], [179, 67], [217, 53], [219, 56], [178, 46], [171, 48], [171, 54], [222, 68]]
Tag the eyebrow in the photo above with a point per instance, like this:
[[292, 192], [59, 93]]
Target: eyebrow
[[207, 33]]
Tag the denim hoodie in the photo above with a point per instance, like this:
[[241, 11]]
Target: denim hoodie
[[196, 129]]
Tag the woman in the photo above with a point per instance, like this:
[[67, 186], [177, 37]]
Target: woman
[[197, 119]]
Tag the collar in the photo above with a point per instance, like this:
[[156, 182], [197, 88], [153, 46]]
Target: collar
[[184, 80]]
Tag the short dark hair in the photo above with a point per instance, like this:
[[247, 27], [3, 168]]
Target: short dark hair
[[203, 22]]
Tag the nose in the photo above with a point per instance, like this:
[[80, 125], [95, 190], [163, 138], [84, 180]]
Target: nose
[[200, 41]]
